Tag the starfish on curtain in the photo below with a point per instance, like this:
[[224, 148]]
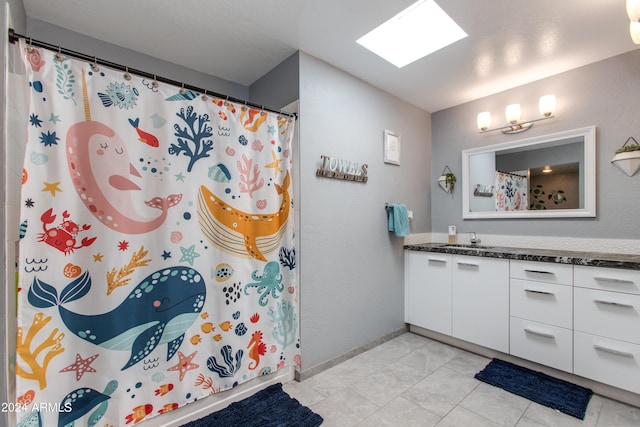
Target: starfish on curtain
[[184, 364]]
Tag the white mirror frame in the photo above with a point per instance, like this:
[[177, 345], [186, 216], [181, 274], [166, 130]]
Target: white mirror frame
[[589, 210]]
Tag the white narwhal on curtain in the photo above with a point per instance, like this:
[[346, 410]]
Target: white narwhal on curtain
[[101, 173]]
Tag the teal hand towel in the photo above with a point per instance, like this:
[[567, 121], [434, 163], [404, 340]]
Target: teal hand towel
[[398, 219]]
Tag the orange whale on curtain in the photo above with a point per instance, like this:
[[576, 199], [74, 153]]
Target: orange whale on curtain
[[242, 233]]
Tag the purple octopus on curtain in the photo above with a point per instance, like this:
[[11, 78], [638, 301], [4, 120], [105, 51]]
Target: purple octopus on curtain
[[157, 259]]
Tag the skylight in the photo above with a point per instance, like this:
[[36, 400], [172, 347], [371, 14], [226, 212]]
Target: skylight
[[417, 31]]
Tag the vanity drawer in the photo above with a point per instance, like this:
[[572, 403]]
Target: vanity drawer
[[543, 302], [608, 361], [608, 314], [541, 343], [610, 279], [542, 271]]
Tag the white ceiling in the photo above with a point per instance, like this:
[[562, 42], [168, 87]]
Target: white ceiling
[[510, 43]]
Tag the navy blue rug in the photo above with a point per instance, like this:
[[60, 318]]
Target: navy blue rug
[[271, 407], [538, 387]]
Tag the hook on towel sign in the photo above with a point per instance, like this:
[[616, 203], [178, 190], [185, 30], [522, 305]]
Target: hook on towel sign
[[342, 169]]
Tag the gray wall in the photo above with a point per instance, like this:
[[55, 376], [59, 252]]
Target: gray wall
[[280, 86], [351, 267], [604, 94]]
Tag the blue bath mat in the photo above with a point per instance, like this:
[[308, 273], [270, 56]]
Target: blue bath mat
[[538, 387], [271, 407]]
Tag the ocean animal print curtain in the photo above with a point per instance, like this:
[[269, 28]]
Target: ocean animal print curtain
[[157, 260]]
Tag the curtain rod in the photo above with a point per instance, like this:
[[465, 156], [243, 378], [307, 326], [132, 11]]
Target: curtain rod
[[14, 37]]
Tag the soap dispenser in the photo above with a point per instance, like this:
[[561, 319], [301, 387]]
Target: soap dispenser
[[453, 236]]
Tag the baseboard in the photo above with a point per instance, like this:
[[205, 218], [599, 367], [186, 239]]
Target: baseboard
[[308, 373], [218, 401], [597, 387]]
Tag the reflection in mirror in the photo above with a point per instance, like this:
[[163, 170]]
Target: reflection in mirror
[[547, 176]]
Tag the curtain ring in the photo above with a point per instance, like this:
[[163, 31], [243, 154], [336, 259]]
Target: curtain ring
[[29, 48], [205, 97], [182, 90], [59, 56], [155, 83], [127, 76], [95, 67]]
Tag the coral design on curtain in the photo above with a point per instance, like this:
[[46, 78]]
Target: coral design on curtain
[[511, 192], [157, 259]]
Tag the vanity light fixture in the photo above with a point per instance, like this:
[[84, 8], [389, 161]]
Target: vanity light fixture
[[546, 106], [633, 11]]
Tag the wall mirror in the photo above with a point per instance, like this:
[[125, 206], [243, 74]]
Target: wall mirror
[[549, 176]]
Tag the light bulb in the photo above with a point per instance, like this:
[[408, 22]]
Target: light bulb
[[484, 120], [633, 10], [512, 113], [547, 105], [634, 30]]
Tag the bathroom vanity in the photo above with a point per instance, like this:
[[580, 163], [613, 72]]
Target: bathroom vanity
[[575, 312]]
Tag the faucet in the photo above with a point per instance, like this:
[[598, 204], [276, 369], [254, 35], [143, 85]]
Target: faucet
[[474, 238]]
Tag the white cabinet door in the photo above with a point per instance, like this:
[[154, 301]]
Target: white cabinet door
[[606, 360], [428, 288], [542, 302], [607, 279], [481, 301], [548, 272], [542, 343], [609, 314]]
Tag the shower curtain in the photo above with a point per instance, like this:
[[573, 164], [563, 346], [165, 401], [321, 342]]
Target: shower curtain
[[157, 260], [511, 192]]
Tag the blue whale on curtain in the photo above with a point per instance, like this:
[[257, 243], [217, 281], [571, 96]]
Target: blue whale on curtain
[[158, 310]]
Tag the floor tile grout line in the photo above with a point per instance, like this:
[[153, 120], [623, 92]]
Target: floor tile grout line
[[523, 412]]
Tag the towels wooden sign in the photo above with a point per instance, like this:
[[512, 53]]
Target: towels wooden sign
[[343, 169]]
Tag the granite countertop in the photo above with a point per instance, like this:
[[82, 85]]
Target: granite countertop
[[598, 259]]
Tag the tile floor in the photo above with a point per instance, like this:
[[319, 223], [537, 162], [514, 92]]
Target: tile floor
[[416, 381]]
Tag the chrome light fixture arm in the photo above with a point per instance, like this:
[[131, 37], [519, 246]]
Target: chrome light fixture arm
[[517, 127]]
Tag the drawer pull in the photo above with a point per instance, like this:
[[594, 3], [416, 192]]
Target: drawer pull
[[615, 303], [468, 264], [536, 291], [613, 279], [538, 271], [437, 260], [539, 333], [612, 350]]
